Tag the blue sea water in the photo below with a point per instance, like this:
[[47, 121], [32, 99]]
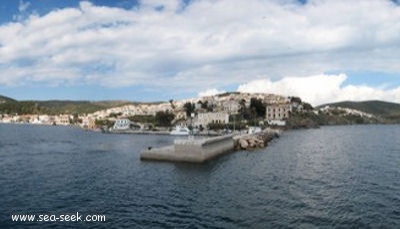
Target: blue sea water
[[332, 177]]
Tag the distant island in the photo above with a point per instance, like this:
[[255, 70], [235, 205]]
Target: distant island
[[227, 111]]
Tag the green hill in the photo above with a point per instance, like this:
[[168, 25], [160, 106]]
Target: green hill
[[383, 113], [53, 107], [386, 110], [77, 107], [4, 99]]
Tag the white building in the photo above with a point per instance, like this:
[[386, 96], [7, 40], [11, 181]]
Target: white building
[[63, 120], [231, 106], [204, 119], [40, 119], [7, 119], [122, 124], [88, 122]]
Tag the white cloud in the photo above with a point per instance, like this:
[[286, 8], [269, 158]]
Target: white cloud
[[169, 5], [23, 6], [173, 46], [320, 89], [210, 92]]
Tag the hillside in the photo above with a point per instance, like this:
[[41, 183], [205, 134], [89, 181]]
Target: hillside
[[383, 112], [12, 106], [77, 107], [386, 110], [4, 99]]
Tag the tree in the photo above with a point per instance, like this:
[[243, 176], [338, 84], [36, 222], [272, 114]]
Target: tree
[[21, 108], [204, 105], [189, 107], [258, 106], [115, 115], [103, 122], [142, 118], [76, 119], [295, 100], [308, 106], [164, 118], [171, 101]]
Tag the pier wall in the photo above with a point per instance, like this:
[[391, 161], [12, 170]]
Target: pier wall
[[192, 150]]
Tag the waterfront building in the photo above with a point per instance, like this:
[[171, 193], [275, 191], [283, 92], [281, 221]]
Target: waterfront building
[[34, 119], [203, 119], [88, 123], [122, 124], [63, 120], [276, 114], [7, 119]]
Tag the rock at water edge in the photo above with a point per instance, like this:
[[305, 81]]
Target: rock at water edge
[[243, 143]]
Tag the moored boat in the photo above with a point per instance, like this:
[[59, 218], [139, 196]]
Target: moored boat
[[180, 130]]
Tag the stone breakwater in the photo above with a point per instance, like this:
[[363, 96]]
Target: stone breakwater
[[256, 140]]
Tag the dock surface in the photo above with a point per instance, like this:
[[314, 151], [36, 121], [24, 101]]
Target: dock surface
[[191, 150]]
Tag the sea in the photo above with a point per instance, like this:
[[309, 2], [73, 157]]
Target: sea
[[331, 177]]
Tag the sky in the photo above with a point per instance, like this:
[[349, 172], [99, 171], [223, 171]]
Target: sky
[[156, 50]]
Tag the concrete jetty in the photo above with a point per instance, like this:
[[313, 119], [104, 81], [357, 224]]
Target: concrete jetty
[[191, 150], [201, 150]]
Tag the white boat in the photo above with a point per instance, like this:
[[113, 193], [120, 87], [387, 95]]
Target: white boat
[[180, 130], [254, 130]]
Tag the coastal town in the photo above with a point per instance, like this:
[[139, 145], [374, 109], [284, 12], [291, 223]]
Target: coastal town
[[195, 112], [222, 112]]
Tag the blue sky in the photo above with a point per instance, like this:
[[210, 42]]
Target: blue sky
[[9, 8], [152, 50]]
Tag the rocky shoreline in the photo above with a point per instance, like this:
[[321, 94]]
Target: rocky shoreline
[[256, 140]]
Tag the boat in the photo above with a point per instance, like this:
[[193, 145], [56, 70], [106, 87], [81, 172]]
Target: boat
[[254, 130], [180, 130]]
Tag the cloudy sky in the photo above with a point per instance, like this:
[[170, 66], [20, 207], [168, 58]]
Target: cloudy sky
[[146, 50]]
